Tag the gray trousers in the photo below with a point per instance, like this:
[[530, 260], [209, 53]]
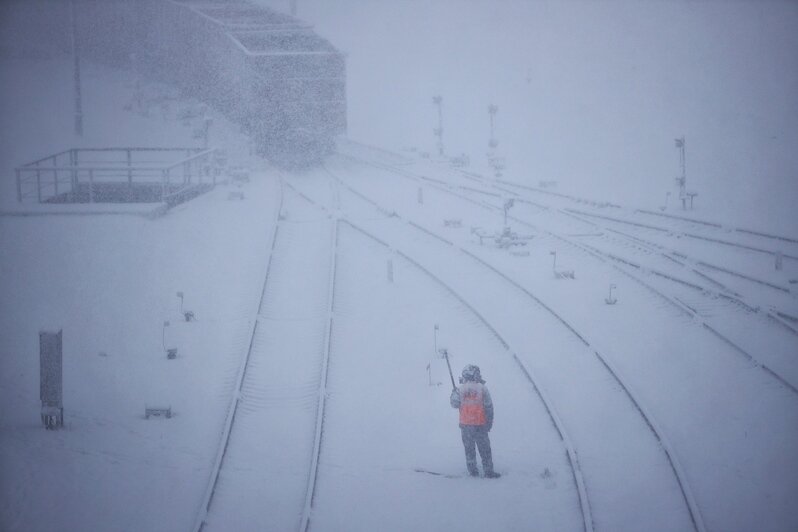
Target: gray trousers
[[477, 436]]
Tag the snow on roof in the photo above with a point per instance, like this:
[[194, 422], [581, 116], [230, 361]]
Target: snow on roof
[[259, 30], [237, 15], [283, 41]]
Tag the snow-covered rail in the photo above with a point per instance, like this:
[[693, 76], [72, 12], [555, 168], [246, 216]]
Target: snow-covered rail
[[571, 456], [676, 468], [714, 288], [714, 240], [758, 236], [265, 472], [207, 499], [573, 460], [623, 264], [314, 467], [700, 374], [703, 263]]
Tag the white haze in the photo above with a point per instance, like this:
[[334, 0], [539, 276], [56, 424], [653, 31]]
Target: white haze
[[591, 94]]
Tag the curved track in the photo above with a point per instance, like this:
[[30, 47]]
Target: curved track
[[277, 420], [604, 365], [680, 303], [689, 289], [724, 318]]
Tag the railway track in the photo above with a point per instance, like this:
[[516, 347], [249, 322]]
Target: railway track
[[677, 304], [274, 424], [725, 321], [749, 241], [744, 269], [573, 462], [697, 261], [583, 348], [707, 231], [240, 466], [721, 310], [365, 214], [295, 436], [210, 490], [584, 504]]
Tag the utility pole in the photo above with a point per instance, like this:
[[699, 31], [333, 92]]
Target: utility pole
[[438, 131], [78, 99]]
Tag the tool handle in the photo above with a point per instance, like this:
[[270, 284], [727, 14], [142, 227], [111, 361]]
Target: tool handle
[[451, 376]]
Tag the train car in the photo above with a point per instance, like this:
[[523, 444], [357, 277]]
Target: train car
[[266, 70]]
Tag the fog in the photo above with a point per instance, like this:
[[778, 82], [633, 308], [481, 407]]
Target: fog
[[591, 94], [273, 349]]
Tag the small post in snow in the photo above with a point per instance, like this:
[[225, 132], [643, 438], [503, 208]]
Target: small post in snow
[[420, 196], [492, 110], [171, 353], [187, 314], [611, 300], [435, 350], [507, 206], [390, 270], [665, 207], [779, 260], [554, 266], [51, 379]]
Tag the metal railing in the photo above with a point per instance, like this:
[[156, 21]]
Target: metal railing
[[75, 175]]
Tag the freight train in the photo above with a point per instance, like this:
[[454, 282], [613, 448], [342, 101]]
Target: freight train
[[265, 70]]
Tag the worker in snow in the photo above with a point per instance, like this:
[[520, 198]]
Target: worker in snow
[[476, 420]]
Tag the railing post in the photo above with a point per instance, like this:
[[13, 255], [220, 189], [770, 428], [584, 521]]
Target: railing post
[[19, 186], [55, 181], [91, 185], [39, 185], [73, 162], [164, 177]]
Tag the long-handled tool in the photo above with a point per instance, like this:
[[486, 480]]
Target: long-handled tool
[[445, 354]]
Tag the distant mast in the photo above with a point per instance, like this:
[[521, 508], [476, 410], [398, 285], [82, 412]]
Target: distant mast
[[76, 56]]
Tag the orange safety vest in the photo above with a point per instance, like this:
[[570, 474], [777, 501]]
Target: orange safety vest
[[472, 409]]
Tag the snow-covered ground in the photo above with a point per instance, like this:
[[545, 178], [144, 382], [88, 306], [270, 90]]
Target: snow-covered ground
[[675, 408]]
